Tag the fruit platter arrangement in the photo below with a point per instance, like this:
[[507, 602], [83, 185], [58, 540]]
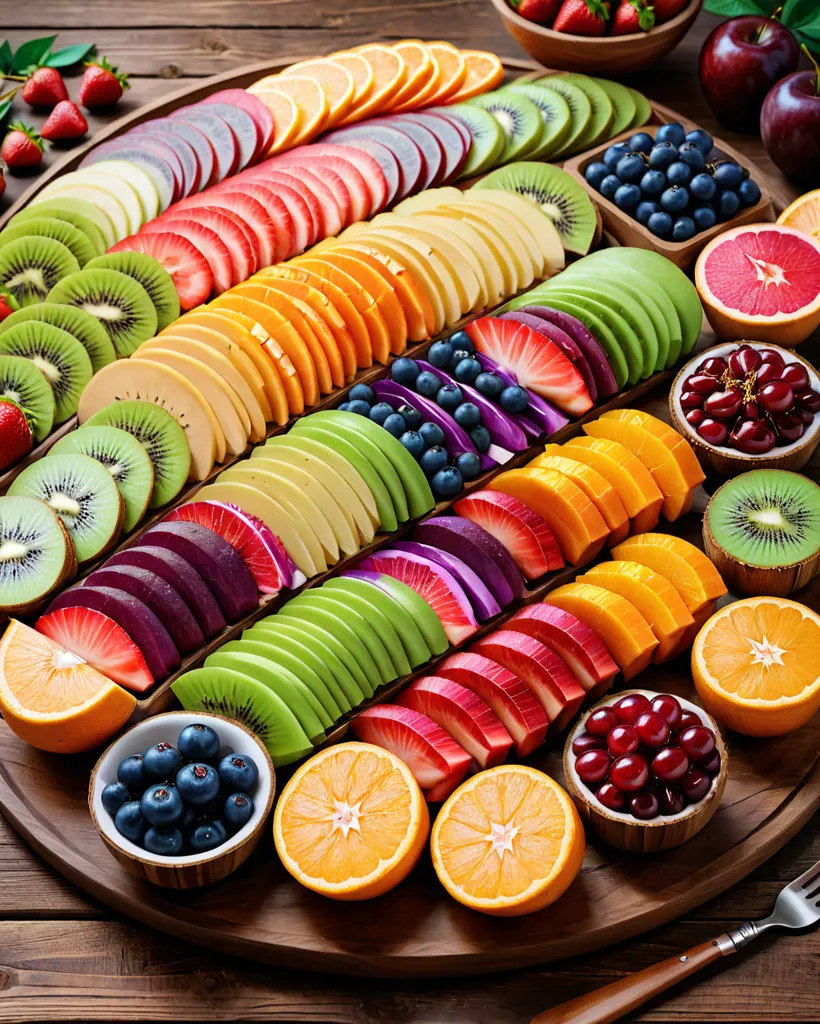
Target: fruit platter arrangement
[[336, 420]]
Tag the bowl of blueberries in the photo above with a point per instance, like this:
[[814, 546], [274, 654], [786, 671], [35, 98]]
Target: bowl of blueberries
[[671, 188], [181, 799]]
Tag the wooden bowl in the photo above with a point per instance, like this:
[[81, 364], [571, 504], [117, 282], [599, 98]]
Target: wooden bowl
[[631, 834], [189, 871], [727, 462], [609, 56]]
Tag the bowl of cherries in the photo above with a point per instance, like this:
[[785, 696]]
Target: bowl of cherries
[[748, 405], [646, 770]]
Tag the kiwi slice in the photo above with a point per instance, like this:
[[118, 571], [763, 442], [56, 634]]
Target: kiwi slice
[[160, 435], [29, 387], [84, 216], [124, 458], [579, 107], [520, 121], [83, 326], [36, 554], [153, 277], [623, 104], [555, 115], [83, 494], [30, 267], [120, 303], [603, 112], [488, 138], [564, 201], [643, 108], [49, 227], [58, 354]]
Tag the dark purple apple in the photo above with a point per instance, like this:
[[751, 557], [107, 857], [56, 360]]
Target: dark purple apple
[[790, 126], [739, 63]]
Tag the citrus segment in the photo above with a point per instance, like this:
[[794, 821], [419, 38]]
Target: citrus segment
[[484, 72], [420, 69], [804, 214], [309, 98], [336, 83]]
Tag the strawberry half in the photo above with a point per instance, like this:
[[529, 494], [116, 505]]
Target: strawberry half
[[189, 270], [16, 435]]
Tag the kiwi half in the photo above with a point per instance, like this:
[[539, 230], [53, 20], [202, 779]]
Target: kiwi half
[[84, 216], [160, 435], [60, 357], [83, 494], [81, 325], [762, 531], [30, 267], [36, 554], [555, 115], [27, 385], [520, 121], [120, 303], [153, 277], [124, 458]]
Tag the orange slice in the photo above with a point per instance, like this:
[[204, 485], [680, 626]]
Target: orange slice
[[389, 71], [756, 665], [596, 487], [508, 841], [54, 700], [576, 522], [310, 100], [453, 72], [287, 117], [420, 69], [336, 82], [624, 631], [360, 71], [351, 823], [654, 597], [425, 89], [686, 567], [484, 72], [804, 214]]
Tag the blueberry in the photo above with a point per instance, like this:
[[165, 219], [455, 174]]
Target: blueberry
[[237, 811], [690, 154], [161, 761], [458, 355], [749, 192], [595, 173], [660, 224], [113, 796], [447, 482], [450, 397], [359, 407], [197, 783], [467, 370], [489, 384], [514, 399], [412, 417], [238, 772], [129, 821], [663, 154], [652, 183], [469, 465], [614, 154], [404, 371], [610, 185], [672, 132], [413, 442], [440, 354], [362, 393], [480, 437], [679, 173], [461, 341], [380, 411], [208, 836], [467, 415], [434, 459], [431, 434], [728, 174], [675, 199], [645, 211], [728, 204], [344, 407], [630, 168], [704, 217], [165, 842], [702, 139], [683, 229], [394, 424], [162, 804], [641, 143], [702, 187], [627, 198], [131, 773], [427, 384], [189, 821]]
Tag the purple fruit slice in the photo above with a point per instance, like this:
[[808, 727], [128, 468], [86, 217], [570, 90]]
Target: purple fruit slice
[[429, 146], [222, 138], [411, 163], [544, 413], [450, 139], [157, 132], [244, 128], [479, 549], [484, 604], [599, 364], [198, 143], [567, 344], [253, 106]]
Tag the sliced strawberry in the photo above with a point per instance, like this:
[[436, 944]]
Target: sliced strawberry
[[250, 210], [435, 584], [385, 158], [433, 756], [536, 361], [265, 174], [370, 174], [209, 243], [316, 170], [189, 270], [329, 167], [522, 531], [101, 642], [232, 231], [253, 106], [580, 647], [512, 701], [275, 207]]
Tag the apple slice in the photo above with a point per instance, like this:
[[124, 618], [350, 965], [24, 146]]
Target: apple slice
[[370, 172], [384, 159], [411, 162], [251, 105], [461, 713], [580, 647]]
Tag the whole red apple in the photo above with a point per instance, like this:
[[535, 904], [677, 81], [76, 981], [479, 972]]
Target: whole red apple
[[740, 61], [790, 126]]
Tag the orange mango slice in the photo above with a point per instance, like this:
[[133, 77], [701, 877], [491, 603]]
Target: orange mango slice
[[596, 487], [686, 567]]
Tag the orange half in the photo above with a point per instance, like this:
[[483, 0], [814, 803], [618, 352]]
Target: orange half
[[336, 83], [484, 72], [804, 214]]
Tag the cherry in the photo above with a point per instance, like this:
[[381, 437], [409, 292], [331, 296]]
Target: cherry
[[725, 405], [611, 797], [586, 741], [713, 367], [593, 765], [788, 426], [671, 800], [771, 355], [623, 739], [751, 411], [600, 722], [670, 764], [712, 766], [696, 416], [776, 396], [713, 431], [697, 742], [629, 773], [688, 719], [652, 729], [744, 359], [630, 708], [752, 437], [806, 417], [796, 375], [644, 805], [767, 372], [703, 383], [695, 784], [691, 400], [668, 707], [808, 399]]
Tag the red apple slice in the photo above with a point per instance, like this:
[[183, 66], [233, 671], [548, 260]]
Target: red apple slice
[[408, 156]]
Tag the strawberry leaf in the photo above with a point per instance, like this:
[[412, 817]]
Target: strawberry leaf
[[32, 54], [6, 57], [70, 55]]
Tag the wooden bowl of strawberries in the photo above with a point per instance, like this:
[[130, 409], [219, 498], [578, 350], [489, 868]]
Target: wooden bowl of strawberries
[[598, 37]]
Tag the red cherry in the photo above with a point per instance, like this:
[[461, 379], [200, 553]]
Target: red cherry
[[697, 742], [771, 355], [630, 708], [644, 805], [668, 707], [671, 800], [629, 773], [695, 417], [806, 417], [586, 741], [776, 396], [751, 411], [593, 765], [703, 383], [691, 400], [688, 719], [752, 437], [713, 431], [712, 766], [768, 372], [670, 764], [652, 730], [611, 797], [713, 367], [695, 785], [796, 375], [724, 405], [788, 426], [600, 722], [622, 740], [744, 359], [808, 399]]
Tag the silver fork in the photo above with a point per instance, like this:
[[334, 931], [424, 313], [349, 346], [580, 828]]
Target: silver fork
[[797, 906]]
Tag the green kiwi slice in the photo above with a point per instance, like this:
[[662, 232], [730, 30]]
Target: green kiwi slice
[[643, 108], [83, 494], [58, 354], [579, 107], [555, 115], [603, 112], [622, 102], [49, 227], [30, 267], [124, 458], [559, 196], [120, 303], [36, 553], [488, 138], [153, 277], [87, 218], [83, 326], [520, 121], [160, 435], [28, 386]]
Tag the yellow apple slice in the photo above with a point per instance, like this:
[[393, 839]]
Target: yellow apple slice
[[512, 270], [472, 241], [538, 229], [429, 199], [508, 228]]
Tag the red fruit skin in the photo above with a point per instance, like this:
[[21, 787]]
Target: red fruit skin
[[790, 126], [582, 17], [44, 88], [20, 150], [66, 121], [2, 190], [189, 270], [6, 308], [667, 9], [16, 437], [101, 86], [540, 11]]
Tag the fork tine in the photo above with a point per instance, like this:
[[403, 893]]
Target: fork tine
[[808, 877]]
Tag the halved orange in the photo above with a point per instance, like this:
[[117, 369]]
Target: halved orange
[[336, 82], [686, 567], [756, 665], [351, 823], [508, 841], [420, 69], [310, 100], [389, 72], [804, 214], [484, 72], [53, 699], [360, 71], [596, 487], [453, 71], [287, 117]]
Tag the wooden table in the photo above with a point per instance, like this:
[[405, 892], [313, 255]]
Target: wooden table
[[63, 957]]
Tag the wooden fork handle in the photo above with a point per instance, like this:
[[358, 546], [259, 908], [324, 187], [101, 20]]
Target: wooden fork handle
[[613, 1001]]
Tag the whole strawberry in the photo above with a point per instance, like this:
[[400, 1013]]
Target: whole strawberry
[[8, 305], [2, 182], [66, 121], [667, 9], [16, 436], [21, 147], [44, 88], [540, 11], [102, 85], [632, 16], [582, 17]]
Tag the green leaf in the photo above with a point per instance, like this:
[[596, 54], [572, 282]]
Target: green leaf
[[32, 53], [70, 55], [802, 17], [6, 58], [734, 8], [5, 107]]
